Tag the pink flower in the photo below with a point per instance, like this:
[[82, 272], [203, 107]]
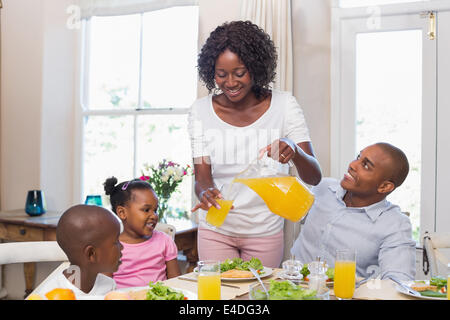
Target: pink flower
[[144, 178], [171, 164]]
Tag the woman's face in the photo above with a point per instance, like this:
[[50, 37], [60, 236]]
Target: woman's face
[[232, 76], [140, 213]]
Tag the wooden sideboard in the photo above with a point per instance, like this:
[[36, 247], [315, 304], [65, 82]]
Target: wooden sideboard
[[16, 225]]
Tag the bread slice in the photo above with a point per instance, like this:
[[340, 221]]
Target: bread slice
[[423, 287], [234, 273], [138, 295]]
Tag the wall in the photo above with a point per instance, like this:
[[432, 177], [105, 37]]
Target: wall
[[213, 13], [311, 25], [38, 80]]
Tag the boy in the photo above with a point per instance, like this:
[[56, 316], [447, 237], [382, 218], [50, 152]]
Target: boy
[[355, 214], [89, 235]]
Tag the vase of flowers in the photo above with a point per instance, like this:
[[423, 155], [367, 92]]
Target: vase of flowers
[[164, 179]]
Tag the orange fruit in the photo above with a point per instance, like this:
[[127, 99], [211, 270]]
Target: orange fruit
[[60, 294]]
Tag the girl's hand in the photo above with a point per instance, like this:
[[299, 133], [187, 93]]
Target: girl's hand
[[207, 199], [281, 150]]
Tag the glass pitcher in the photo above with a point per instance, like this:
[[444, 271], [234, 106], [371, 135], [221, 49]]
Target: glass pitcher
[[283, 194]]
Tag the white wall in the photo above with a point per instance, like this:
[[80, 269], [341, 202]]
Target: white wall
[[21, 81], [38, 87], [311, 25], [213, 13]]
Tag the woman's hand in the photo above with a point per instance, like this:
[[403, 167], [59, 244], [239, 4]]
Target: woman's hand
[[207, 199], [281, 150], [302, 156]]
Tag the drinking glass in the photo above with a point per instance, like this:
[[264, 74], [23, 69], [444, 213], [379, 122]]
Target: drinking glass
[[216, 217], [35, 204], [345, 274], [208, 280], [94, 199]]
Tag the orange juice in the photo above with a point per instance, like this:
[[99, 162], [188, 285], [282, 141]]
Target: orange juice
[[285, 196], [344, 279], [208, 287], [215, 216], [448, 287]]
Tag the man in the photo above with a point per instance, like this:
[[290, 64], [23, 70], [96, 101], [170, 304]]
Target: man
[[354, 213]]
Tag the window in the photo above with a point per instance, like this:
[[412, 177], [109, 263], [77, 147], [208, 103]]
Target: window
[[389, 104], [139, 81], [388, 84]]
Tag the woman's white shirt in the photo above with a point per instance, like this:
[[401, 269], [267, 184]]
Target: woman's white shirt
[[231, 149]]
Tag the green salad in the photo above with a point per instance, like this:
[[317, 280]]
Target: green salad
[[158, 291], [285, 290], [239, 264], [442, 287]]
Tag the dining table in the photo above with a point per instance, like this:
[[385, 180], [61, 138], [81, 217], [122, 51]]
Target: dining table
[[374, 289]]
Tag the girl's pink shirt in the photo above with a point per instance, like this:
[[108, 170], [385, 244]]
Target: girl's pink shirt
[[145, 261]]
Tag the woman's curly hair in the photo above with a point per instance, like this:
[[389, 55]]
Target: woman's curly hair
[[250, 43]]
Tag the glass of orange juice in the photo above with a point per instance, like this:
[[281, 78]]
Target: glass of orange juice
[[345, 274], [208, 280], [216, 217]]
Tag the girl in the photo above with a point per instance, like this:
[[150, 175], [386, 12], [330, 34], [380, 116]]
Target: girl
[[148, 254]]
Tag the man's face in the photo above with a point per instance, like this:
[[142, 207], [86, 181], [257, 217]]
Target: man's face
[[367, 172]]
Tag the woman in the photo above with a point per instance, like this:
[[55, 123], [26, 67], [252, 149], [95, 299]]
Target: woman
[[240, 117]]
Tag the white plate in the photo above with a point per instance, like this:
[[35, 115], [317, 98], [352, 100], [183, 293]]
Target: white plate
[[267, 272], [409, 283], [189, 294]]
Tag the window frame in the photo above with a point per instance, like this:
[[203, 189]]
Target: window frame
[[82, 110], [430, 207]]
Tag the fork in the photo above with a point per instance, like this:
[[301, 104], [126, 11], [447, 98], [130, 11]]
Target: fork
[[405, 287], [255, 273]]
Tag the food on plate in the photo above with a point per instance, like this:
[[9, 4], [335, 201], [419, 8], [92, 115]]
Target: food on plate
[[305, 272], [117, 295], [240, 265], [422, 287], [234, 273], [285, 290], [330, 274], [158, 291], [60, 294], [436, 287], [438, 282]]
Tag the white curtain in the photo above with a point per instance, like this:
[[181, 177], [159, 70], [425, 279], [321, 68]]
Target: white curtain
[[274, 17], [91, 8]]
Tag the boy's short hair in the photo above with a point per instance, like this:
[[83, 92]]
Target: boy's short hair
[[81, 225]]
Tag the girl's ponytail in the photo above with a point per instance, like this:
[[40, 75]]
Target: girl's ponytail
[[109, 185]]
